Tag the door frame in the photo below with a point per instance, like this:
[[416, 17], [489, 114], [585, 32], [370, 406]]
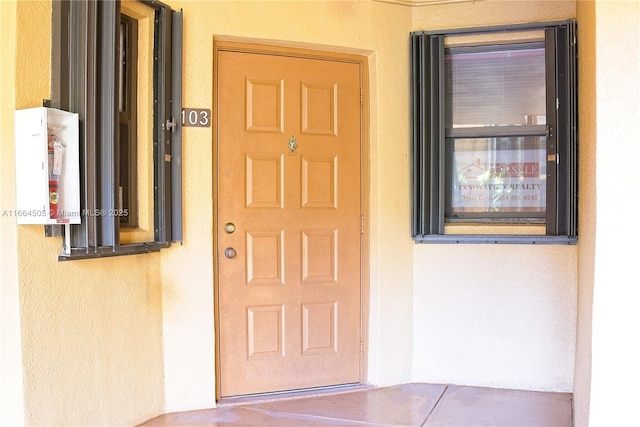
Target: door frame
[[245, 45]]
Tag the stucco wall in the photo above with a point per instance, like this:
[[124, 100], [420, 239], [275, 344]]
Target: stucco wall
[[91, 330], [499, 316], [587, 209], [616, 371], [11, 390]]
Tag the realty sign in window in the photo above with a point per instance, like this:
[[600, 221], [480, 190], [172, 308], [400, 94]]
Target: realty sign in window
[[491, 176]]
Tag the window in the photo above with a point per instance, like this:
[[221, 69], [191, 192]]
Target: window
[[118, 65], [494, 135], [128, 99]]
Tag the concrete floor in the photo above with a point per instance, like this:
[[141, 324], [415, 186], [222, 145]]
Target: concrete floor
[[402, 405]]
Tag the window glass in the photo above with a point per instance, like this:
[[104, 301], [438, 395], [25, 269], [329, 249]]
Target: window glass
[[136, 142], [127, 190], [495, 86], [496, 176]]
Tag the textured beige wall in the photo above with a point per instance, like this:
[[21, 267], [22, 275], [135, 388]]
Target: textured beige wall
[[494, 315], [91, 329], [11, 390], [587, 209], [491, 12]]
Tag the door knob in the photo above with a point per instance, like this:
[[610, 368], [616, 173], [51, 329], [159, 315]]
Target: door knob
[[230, 253]]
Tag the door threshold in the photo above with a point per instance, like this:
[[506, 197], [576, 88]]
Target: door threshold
[[290, 394]]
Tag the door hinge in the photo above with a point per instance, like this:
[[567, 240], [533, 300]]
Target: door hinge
[[362, 224], [361, 349], [361, 97]]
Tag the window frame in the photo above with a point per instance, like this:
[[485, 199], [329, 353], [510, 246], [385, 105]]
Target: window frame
[[429, 135], [85, 75]]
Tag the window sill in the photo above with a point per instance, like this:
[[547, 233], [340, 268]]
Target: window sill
[[110, 251], [496, 239]]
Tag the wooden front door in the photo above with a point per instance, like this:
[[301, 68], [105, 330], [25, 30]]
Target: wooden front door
[[288, 221]]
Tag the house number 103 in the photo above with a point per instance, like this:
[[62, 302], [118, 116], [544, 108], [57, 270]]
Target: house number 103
[[196, 117]]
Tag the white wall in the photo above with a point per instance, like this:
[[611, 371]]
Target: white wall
[[616, 295], [495, 315]]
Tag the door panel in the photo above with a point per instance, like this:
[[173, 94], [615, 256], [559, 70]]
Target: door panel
[[289, 179]]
